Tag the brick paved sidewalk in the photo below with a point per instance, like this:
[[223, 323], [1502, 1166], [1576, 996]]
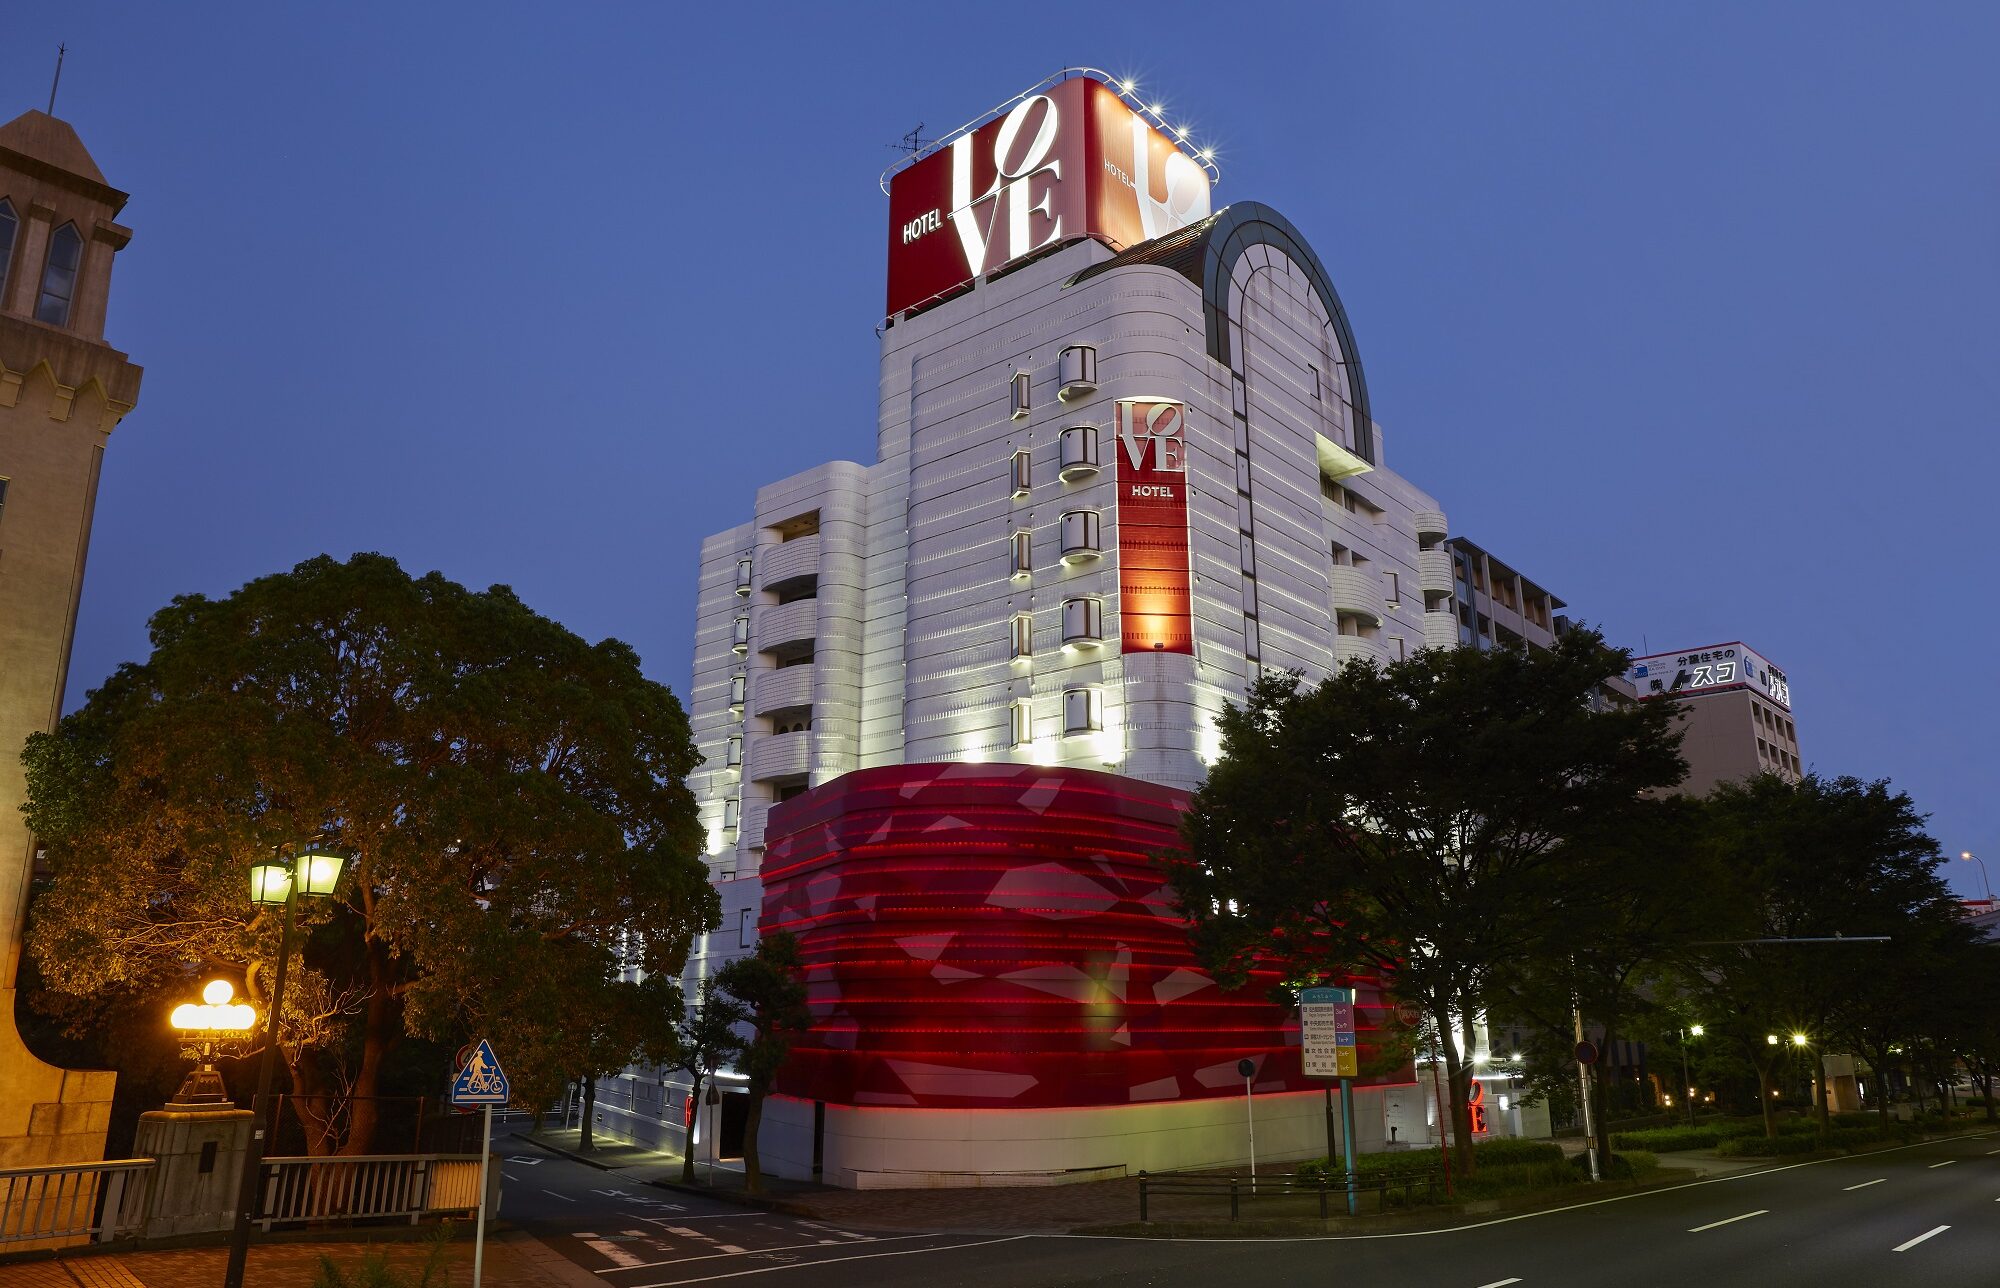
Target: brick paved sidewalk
[[513, 1260]]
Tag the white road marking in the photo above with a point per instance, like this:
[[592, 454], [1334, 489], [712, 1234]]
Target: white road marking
[[525, 1161], [1730, 1221], [1905, 1247], [827, 1261], [1946, 1163], [1502, 1283], [609, 1251], [1865, 1184], [509, 1175], [564, 1197], [789, 1247]]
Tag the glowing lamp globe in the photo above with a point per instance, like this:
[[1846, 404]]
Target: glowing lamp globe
[[215, 1013]]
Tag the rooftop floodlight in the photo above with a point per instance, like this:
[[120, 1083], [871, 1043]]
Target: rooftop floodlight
[[270, 883], [1128, 84]]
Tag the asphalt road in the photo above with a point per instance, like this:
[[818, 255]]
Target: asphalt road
[[1926, 1216]]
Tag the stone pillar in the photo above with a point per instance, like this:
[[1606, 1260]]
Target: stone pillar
[[201, 1150]]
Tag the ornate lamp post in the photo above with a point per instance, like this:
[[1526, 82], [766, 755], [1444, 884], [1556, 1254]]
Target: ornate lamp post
[[294, 868], [214, 1027]]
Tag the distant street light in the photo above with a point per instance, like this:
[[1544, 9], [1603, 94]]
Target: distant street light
[[1695, 1031], [1967, 856], [1800, 1039], [295, 868]]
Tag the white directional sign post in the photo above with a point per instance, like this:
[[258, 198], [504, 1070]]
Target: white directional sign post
[[1326, 1032], [481, 1082]]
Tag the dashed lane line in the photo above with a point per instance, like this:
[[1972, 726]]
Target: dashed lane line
[[827, 1261], [1730, 1220], [1946, 1163], [1502, 1283], [567, 1198], [1865, 1184], [758, 1252], [1905, 1247]]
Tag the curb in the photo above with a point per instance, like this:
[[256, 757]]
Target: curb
[[737, 1197]]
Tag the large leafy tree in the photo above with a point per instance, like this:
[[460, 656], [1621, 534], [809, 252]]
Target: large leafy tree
[[1814, 867], [704, 1041], [770, 986], [1417, 821], [513, 799]]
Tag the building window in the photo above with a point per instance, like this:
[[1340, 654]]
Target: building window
[[1021, 554], [1079, 458], [1022, 721], [1083, 710], [739, 685], [59, 276], [1397, 648], [1081, 536], [1022, 479], [1314, 373], [1018, 397], [9, 225], [1023, 643], [732, 814], [1082, 622], [739, 635], [746, 929], [733, 757], [743, 575], [1392, 586], [1077, 370]]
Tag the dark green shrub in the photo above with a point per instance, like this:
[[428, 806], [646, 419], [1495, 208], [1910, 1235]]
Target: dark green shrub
[[1666, 1140], [1767, 1146], [1511, 1151]]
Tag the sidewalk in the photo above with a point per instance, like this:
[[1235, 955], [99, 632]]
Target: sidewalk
[[513, 1260]]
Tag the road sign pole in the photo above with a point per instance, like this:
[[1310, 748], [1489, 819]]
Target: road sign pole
[[1250, 1117], [1347, 1141], [479, 1227], [1333, 1150]]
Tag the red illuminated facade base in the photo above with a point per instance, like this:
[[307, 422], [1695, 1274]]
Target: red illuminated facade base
[[1001, 936]]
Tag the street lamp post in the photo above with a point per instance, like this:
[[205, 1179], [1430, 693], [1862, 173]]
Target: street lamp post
[[279, 882], [1687, 1082], [1967, 856]]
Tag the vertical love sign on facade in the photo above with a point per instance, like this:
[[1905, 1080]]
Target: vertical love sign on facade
[[1155, 608]]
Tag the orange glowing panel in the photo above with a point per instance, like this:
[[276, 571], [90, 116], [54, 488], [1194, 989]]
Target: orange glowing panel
[[1155, 610]]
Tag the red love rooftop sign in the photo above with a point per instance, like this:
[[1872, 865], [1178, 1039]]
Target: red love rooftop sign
[[1071, 161]]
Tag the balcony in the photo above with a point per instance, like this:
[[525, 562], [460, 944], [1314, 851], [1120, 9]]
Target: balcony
[[779, 755], [782, 624], [1441, 630], [1077, 372], [1434, 570], [1430, 524], [1358, 591], [788, 686], [798, 557], [1347, 647]]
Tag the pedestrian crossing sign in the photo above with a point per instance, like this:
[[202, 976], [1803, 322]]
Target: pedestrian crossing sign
[[482, 1081]]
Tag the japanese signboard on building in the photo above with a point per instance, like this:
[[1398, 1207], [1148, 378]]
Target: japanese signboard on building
[[1709, 670], [1072, 161]]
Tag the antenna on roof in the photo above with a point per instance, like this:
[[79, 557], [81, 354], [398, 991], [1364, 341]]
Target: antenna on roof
[[60, 51], [914, 141]]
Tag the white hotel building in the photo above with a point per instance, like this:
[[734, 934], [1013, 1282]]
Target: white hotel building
[[964, 598]]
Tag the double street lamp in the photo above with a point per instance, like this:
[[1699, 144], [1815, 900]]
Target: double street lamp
[[295, 868]]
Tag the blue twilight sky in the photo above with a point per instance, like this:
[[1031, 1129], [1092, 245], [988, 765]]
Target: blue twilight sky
[[1686, 310]]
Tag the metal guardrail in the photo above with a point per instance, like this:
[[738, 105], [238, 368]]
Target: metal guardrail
[[68, 1202], [1405, 1183], [366, 1187]]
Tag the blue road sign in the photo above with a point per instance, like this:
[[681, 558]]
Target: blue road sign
[[482, 1081]]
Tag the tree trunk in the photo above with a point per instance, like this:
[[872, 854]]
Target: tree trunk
[[1764, 1097], [1880, 1059], [1986, 1086], [753, 1168], [693, 1121], [1602, 1117], [382, 1029], [584, 1139], [1458, 1077]]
